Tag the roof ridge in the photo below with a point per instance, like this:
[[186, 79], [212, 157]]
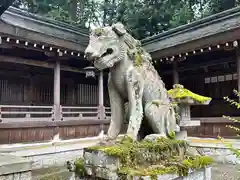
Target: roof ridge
[[201, 22], [51, 22]]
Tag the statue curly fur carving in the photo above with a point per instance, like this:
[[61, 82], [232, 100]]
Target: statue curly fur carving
[[132, 79]]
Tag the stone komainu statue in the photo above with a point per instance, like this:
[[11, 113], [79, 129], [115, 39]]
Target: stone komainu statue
[[132, 79]]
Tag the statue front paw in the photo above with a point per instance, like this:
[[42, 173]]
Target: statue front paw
[[106, 141], [154, 137]]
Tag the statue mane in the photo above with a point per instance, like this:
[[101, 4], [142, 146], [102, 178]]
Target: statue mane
[[136, 53]]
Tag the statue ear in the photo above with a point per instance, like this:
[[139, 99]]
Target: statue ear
[[119, 29]]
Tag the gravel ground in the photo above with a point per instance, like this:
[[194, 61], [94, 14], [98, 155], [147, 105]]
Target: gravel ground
[[225, 172]]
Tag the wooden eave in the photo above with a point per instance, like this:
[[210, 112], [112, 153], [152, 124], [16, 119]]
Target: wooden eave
[[213, 31], [23, 26]]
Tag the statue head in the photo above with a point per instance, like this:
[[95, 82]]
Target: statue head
[[106, 46]]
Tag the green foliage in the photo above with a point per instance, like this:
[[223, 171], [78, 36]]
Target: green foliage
[[142, 17], [172, 135], [150, 158], [236, 129], [60, 14]]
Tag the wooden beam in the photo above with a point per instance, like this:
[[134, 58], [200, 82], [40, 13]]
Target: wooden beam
[[32, 62], [12, 46], [204, 42], [213, 120], [46, 51], [37, 63], [45, 124], [200, 65]]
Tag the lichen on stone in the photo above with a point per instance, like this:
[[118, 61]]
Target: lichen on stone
[[98, 31], [157, 102], [179, 92], [152, 158]]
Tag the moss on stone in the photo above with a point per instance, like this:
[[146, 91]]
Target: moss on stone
[[138, 60], [152, 158], [181, 168], [79, 165], [179, 92], [156, 102], [99, 31]]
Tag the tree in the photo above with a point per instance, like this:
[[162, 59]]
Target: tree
[[236, 129], [142, 18]]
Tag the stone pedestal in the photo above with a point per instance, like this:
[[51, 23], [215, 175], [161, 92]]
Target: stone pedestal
[[100, 165], [15, 168]]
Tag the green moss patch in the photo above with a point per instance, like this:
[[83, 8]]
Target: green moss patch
[[138, 59], [148, 158], [80, 170], [179, 92]]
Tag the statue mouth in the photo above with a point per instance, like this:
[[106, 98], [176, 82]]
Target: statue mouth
[[108, 52], [102, 62]]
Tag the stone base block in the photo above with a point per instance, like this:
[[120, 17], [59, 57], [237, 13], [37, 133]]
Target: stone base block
[[100, 159], [106, 174], [203, 174], [15, 168], [100, 165]]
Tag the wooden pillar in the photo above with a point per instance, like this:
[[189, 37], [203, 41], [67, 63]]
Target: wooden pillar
[[175, 73], [101, 97], [31, 97], [57, 91], [238, 69]]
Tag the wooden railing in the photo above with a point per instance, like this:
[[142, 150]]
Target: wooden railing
[[78, 113], [12, 113], [15, 113], [108, 113]]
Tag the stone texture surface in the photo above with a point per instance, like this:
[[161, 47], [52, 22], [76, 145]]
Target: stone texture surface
[[100, 159], [13, 164], [14, 168], [204, 174], [98, 164], [54, 159], [219, 172], [225, 172], [17, 176], [220, 155]]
